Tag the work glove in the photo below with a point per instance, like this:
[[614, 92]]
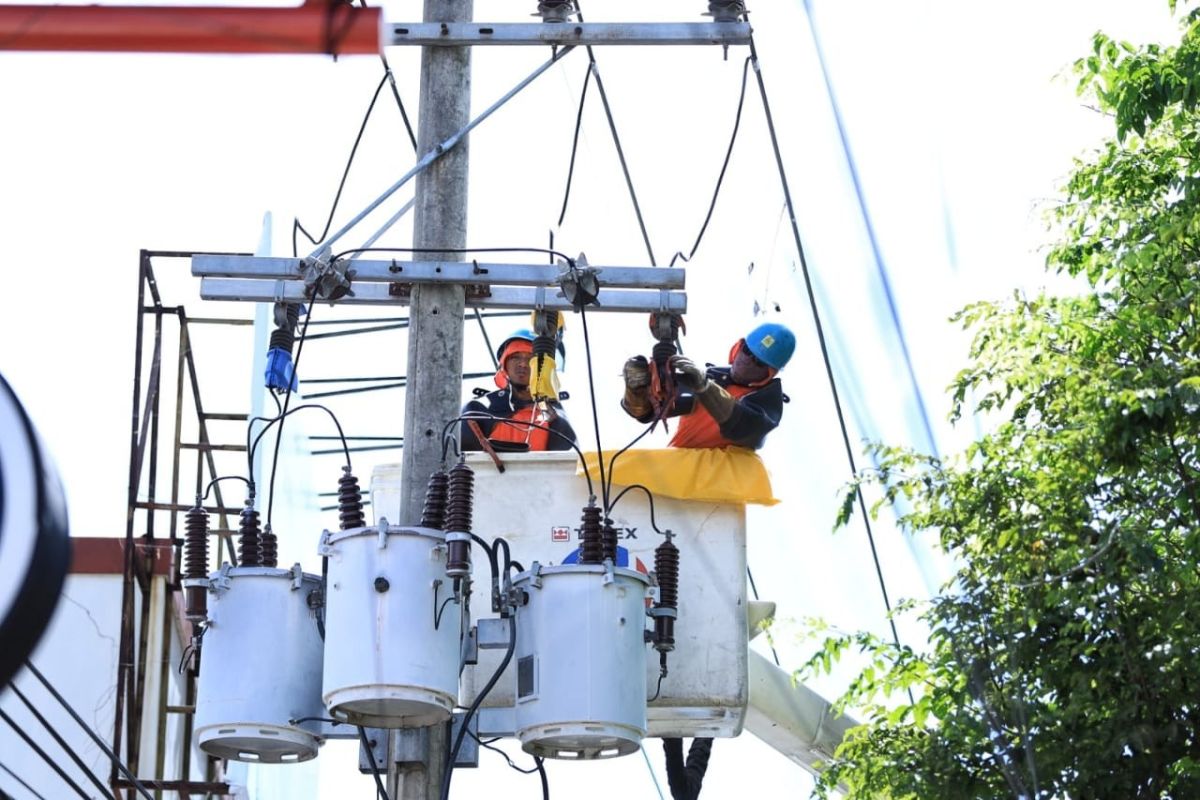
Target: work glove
[[690, 376], [637, 387], [637, 373]]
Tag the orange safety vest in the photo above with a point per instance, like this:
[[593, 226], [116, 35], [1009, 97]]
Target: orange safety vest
[[699, 429], [511, 430]]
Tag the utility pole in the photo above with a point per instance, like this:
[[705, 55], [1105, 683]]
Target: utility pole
[[435, 333]]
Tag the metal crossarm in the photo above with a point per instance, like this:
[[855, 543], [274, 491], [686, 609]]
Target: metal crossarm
[[391, 271], [550, 298], [457, 34]]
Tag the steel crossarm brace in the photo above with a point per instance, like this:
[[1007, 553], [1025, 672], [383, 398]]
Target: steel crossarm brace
[[288, 291], [474, 273], [457, 34]]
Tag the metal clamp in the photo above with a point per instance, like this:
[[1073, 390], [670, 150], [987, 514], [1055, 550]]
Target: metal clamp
[[382, 525], [297, 576], [220, 581], [323, 546]]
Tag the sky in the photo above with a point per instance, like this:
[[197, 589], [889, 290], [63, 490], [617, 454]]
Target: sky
[[961, 120]]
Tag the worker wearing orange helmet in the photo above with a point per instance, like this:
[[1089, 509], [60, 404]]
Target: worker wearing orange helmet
[[501, 419], [736, 405]]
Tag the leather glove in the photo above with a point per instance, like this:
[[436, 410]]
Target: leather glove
[[637, 373], [690, 376]]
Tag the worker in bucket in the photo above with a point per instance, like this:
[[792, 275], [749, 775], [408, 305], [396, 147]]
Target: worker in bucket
[[501, 419], [717, 407], [736, 405]]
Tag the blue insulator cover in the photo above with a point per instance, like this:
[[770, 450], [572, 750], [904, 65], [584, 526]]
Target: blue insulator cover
[[280, 373]]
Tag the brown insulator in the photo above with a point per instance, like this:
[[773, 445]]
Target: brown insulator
[[666, 570], [268, 546], [460, 499], [608, 535], [350, 502], [591, 550], [195, 560], [249, 547], [436, 495]]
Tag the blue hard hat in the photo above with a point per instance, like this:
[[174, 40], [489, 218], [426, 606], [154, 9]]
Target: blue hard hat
[[772, 344], [520, 334]]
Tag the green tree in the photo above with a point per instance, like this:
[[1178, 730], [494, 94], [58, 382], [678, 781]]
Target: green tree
[[1064, 656]]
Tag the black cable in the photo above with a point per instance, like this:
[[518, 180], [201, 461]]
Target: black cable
[[345, 174], [612, 126], [286, 400], [587, 349], [50, 762], [251, 447], [362, 737], [649, 497], [737, 122], [613, 461], [587, 78], [490, 746], [541, 768], [812, 301], [21, 781], [124, 770], [754, 589], [466, 721], [391, 78], [61, 742], [215, 481]]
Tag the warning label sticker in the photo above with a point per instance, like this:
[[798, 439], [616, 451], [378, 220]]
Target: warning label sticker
[[560, 533]]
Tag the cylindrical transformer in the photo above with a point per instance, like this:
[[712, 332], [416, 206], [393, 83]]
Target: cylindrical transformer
[[580, 661], [392, 627], [261, 667]]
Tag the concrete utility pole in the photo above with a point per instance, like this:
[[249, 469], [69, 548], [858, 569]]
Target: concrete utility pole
[[435, 333]]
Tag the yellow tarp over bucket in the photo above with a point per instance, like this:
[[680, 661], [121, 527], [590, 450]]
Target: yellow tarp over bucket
[[715, 475]]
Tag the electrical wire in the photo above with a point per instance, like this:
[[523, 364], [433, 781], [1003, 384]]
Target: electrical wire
[[737, 122], [587, 78], [872, 238], [649, 497], [466, 721], [251, 447], [215, 481], [124, 770], [820, 330], [653, 776], [587, 349], [490, 746], [21, 781], [612, 126], [296, 225], [362, 737], [50, 762], [60, 741], [391, 78], [283, 414]]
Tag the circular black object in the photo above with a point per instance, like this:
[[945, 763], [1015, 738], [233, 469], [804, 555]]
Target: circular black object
[[35, 548]]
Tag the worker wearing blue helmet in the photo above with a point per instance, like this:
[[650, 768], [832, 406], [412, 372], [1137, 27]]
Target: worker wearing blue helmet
[[736, 405]]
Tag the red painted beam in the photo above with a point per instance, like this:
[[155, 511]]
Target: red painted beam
[[318, 26]]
